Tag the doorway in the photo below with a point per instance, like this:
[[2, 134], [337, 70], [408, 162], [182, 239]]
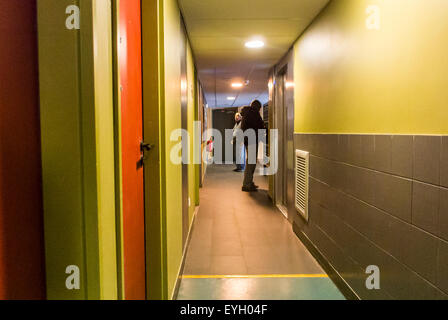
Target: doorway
[[224, 119], [131, 246], [280, 123]]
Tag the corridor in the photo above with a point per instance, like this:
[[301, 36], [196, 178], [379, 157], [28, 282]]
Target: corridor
[[123, 124], [242, 247]]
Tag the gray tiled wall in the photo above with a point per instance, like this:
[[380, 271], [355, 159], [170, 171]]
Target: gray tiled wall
[[380, 200]]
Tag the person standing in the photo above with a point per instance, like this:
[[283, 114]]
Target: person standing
[[251, 121], [240, 150]]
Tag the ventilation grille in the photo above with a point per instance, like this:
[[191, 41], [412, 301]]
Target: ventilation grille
[[302, 178]]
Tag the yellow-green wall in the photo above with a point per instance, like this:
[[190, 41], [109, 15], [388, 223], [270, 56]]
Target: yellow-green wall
[[349, 79], [75, 74], [192, 106], [171, 121], [104, 124], [77, 112]]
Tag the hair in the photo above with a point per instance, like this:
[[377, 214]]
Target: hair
[[256, 104]]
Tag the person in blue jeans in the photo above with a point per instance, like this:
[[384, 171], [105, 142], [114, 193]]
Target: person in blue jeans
[[239, 149]]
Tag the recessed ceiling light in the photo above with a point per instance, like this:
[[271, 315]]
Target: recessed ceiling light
[[237, 85], [231, 98], [255, 44]]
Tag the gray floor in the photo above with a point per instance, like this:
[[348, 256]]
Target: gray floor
[[239, 233]]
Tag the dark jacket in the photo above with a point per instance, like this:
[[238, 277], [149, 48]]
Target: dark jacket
[[251, 120]]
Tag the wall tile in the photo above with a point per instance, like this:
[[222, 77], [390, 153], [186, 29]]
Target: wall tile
[[444, 162], [320, 169], [355, 150], [323, 194], [315, 212], [361, 183], [328, 248], [395, 277], [330, 145], [394, 195], [323, 145], [343, 148], [368, 151], [443, 214], [343, 177], [442, 267], [317, 192], [427, 158], [333, 226], [360, 216], [402, 155], [421, 253], [314, 144], [383, 153], [425, 206], [421, 289], [343, 205], [299, 141], [384, 233]]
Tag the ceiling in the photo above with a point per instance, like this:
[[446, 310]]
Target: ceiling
[[219, 29]]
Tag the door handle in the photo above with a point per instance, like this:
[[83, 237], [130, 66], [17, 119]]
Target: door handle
[[145, 146], [141, 162]]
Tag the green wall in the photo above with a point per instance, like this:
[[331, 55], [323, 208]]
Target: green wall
[[349, 79], [153, 99], [77, 117], [104, 124], [75, 70], [171, 120], [172, 173], [192, 117]]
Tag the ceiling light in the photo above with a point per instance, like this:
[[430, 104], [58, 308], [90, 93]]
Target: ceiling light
[[231, 98], [255, 44], [237, 85]]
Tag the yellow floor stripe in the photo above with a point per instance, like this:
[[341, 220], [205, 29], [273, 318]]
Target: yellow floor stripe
[[257, 276]]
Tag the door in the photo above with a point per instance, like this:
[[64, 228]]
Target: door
[[22, 259], [224, 119], [186, 201], [129, 59], [280, 123]]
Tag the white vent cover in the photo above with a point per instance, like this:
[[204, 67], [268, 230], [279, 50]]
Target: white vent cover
[[302, 182]]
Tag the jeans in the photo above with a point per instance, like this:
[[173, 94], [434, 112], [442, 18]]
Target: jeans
[[250, 170], [241, 157]]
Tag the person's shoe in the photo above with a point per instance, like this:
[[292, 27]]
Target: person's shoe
[[236, 170], [249, 189], [255, 186]]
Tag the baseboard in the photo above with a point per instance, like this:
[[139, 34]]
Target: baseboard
[[182, 264], [342, 285]]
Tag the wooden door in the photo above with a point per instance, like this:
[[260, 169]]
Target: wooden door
[[130, 86]]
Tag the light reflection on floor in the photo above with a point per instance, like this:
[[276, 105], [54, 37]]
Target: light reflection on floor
[[259, 288]]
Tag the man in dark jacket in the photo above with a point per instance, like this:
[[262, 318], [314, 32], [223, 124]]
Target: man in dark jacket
[[251, 123]]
